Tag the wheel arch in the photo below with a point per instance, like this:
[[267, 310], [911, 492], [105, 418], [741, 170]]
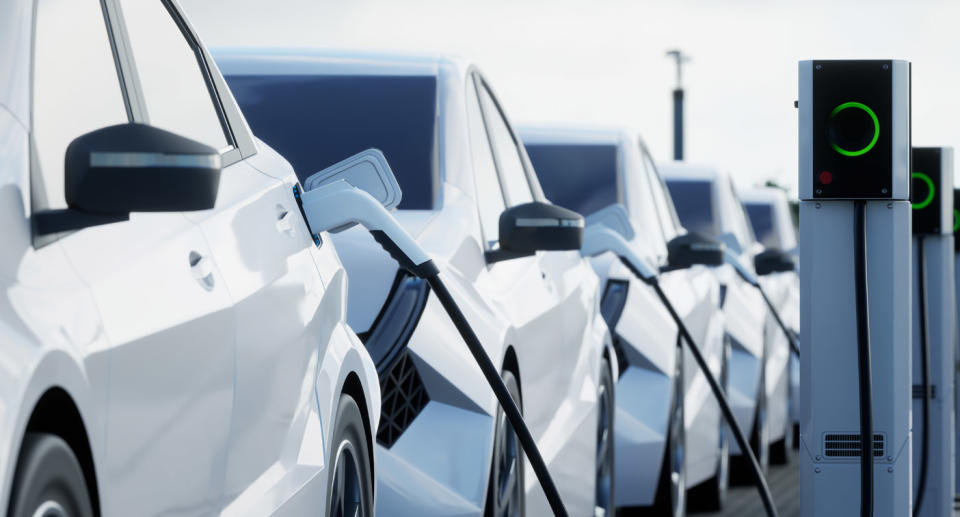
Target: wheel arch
[[353, 387]]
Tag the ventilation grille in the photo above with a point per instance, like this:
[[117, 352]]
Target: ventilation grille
[[404, 397], [847, 445]]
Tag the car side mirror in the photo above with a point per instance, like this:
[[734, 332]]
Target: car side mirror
[[531, 227], [116, 170], [774, 261], [693, 249]]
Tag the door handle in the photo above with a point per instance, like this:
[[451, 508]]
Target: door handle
[[284, 220], [202, 270]]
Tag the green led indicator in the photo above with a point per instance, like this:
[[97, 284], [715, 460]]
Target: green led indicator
[[956, 220], [930, 191], [876, 128]]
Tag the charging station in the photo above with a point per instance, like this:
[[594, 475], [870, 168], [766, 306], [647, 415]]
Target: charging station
[[933, 331], [956, 370], [855, 288]]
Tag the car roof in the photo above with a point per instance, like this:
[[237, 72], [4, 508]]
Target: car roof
[[570, 134], [687, 171], [764, 195], [313, 61]]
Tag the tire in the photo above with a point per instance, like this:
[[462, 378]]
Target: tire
[[606, 407], [671, 497], [780, 449], [505, 489], [49, 480], [350, 480], [711, 495]]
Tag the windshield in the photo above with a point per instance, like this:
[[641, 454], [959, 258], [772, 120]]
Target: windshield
[[693, 201], [580, 177], [315, 121], [761, 218]]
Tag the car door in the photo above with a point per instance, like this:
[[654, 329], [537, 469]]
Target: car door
[[162, 303]]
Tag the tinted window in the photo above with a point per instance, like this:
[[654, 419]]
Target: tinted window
[[582, 178], [490, 201], [508, 154], [694, 203], [75, 88], [315, 121], [761, 218], [175, 86]]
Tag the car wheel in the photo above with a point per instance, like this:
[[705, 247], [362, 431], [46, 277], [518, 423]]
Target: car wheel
[[505, 490], [741, 471], [605, 453], [711, 495], [49, 481], [350, 483]]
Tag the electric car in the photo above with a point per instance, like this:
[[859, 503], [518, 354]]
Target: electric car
[[172, 340], [587, 170], [769, 213], [758, 381], [444, 446]]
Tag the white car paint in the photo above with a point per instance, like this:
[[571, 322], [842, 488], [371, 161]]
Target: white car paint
[[758, 348], [783, 287], [542, 309], [203, 352], [645, 387]]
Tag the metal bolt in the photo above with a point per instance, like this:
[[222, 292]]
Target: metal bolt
[[818, 67], [883, 191], [819, 191], [817, 470], [818, 458], [889, 469], [890, 206], [886, 67], [889, 458], [817, 206]]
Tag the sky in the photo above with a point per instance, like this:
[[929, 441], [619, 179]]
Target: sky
[[602, 62]]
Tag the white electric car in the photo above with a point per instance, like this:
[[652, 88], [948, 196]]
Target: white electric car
[[444, 446], [758, 382], [769, 211], [172, 340], [587, 170]]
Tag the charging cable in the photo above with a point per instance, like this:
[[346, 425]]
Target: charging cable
[[599, 239], [863, 357], [924, 375], [755, 282], [339, 205]]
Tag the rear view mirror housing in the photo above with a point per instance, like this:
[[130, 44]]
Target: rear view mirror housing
[[531, 227], [114, 171], [774, 261], [693, 249]]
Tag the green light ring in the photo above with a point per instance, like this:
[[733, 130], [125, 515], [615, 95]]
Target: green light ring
[[926, 202], [876, 128], [956, 220]]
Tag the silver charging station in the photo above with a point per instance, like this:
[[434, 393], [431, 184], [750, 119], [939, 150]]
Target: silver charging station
[[934, 322], [854, 153]]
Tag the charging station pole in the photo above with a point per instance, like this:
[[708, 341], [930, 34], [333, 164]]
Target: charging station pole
[[855, 222], [956, 364], [934, 316]]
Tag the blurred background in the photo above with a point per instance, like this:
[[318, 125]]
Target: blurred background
[[603, 62]]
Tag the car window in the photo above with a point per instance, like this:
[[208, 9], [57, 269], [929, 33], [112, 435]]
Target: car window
[[693, 200], [489, 194], [177, 94], [668, 216], [581, 177], [76, 88], [514, 177], [315, 121], [761, 218]]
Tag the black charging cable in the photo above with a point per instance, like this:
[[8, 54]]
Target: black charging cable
[[863, 357], [759, 481], [924, 375]]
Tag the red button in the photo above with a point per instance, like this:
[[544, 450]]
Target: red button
[[826, 177]]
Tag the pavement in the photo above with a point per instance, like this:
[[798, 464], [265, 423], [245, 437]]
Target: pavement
[[784, 482]]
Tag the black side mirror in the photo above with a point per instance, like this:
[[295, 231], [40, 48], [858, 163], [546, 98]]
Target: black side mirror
[[774, 261], [116, 170], [531, 227], [693, 249]]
